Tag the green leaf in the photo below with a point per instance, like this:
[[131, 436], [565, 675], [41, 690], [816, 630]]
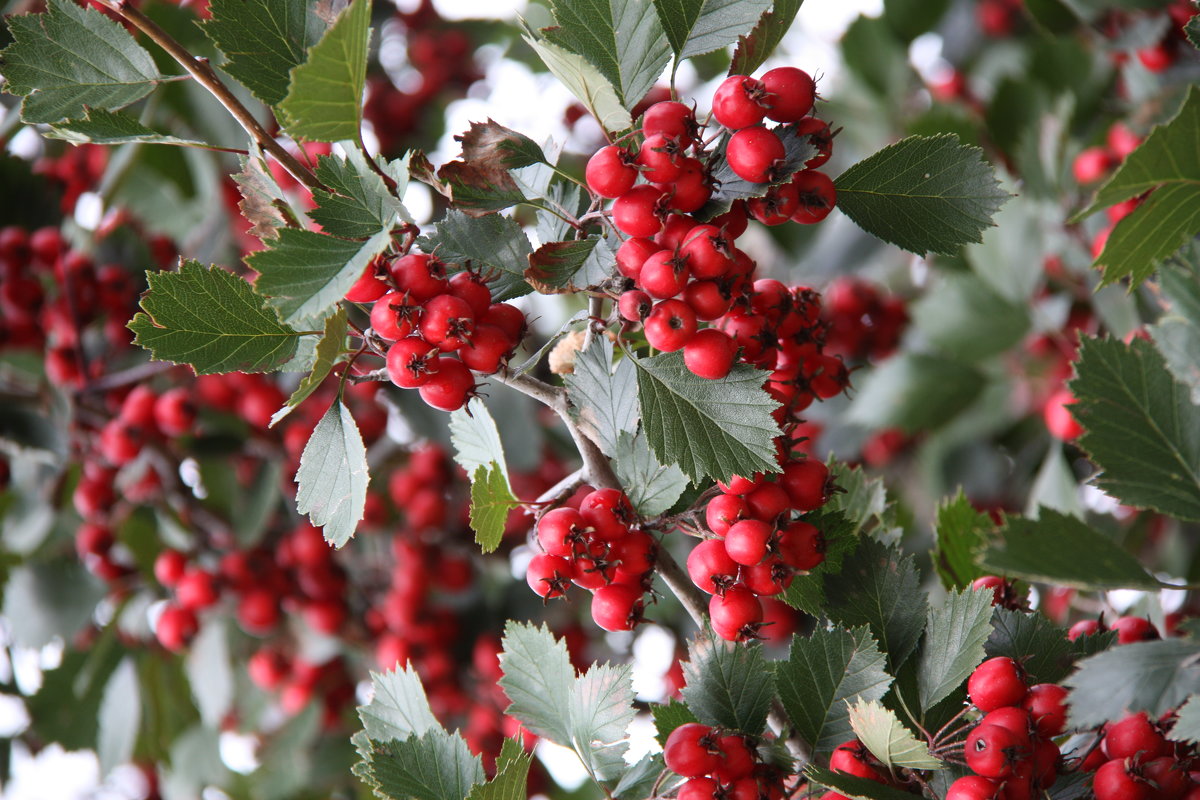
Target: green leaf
[[476, 438], [398, 707], [212, 320], [840, 532], [881, 731], [963, 317], [305, 274], [571, 265], [696, 27], [329, 350], [538, 680], [72, 57], [878, 59], [823, 672], [650, 486], [601, 710], [915, 391], [881, 588], [358, 204], [1062, 549], [480, 182], [727, 685], [209, 671], [1055, 486], [668, 717], [98, 126], [47, 601], [639, 779], [120, 717], [709, 428], [730, 187], [332, 478], [1040, 646], [263, 41], [754, 48], [603, 398], [953, 645], [588, 84], [491, 500], [1141, 427], [1177, 332], [493, 245], [623, 39], [862, 499], [1054, 16], [1187, 726], [910, 18], [512, 774], [433, 766], [324, 98], [853, 787], [494, 145], [1144, 676], [262, 204], [961, 532], [922, 194], [1192, 29]]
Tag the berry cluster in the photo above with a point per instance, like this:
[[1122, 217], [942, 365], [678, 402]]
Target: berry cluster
[[597, 546], [1129, 629], [1136, 761], [758, 546], [862, 321], [719, 765], [423, 316], [1094, 163]]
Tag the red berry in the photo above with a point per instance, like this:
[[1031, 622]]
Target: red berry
[[175, 412], [664, 275], [637, 212], [709, 299], [1085, 627], [1091, 164], [258, 611], [789, 93], [853, 758], [709, 354], [806, 482], [819, 136], [723, 511], [801, 545], [421, 275], [737, 759], [562, 532], [1168, 776], [169, 566], [395, 315], [691, 190], [701, 788], [610, 173], [1134, 629], [507, 318], [1113, 781], [736, 614], [659, 158], [994, 683], [632, 254], [368, 287], [196, 589], [488, 349], [548, 576], [736, 102], [817, 196], [175, 627], [1013, 718], [768, 578], [992, 751], [753, 152], [670, 325], [1059, 420], [634, 305], [411, 362], [691, 750], [1136, 738], [474, 290], [671, 119], [607, 512], [447, 322], [777, 206], [1046, 703], [617, 607], [449, 387], [710, 567], [746, 541], [973, 787]]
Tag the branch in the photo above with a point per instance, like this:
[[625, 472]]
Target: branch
[[206, 76]]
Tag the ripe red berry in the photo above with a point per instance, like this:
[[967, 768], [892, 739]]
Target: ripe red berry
[[175, 412], [169, 566], [777, 206], [672, 119], [473, 289], [853, 758], [368, 287], [1134, 629], [634, 305], [736, 614], [746, 541], [994, 683], [710, 567], [1135, 737], [1168, 776], [670, 325], [1113, 781], [819, 136], [768, 578], [1059, 420], [710, 354], [789, 93], [395, 315], [507, 318], [701, 788], [664, 274], [993, 751], [637, 211], [691, 750], [806, 482], [562, 532], [610, 172], [817, 196], [421, 275], [607, 512], [709, 299], [617, 607], [1085, 627], [1046, 703], [411, 362], [488, 349], [736, 102], [753, 152], [659, 158], [447, 322], [548, 576], [973, 787], [175, 627], [723, 511], [737, 759], [196, 589], [1091, 164], [691, 189], [801, 545], [449, 387], [632, 254]]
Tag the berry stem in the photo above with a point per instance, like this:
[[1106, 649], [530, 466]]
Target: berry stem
[[202, 71]]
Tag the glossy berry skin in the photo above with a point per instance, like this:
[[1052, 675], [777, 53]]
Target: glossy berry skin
[[169, 567], [175, 628], [992, 751], [562, 532], [1013, 718], [735, 102], [670, 325], [852, 758], [817, 196], [735, 614], [805, 481], [636, 212], [659, 158], [1091, 165], [738, 758], [447, 322], [488, 349], [1136, 738], [1134, 629], [746, 541], [1114, 782], [617, 607], [700, 788], [632, 254], [790, 93], [691, 750], [610, 172], [449, 388], [723, 511], [994, 683], [634, 305], [421, 275], [548, 576], [801, 545], [752, 153], [710, 354], [710, 567], [672, 119], [368, 287], [411, 362], [175, 412], [1170, 777], [473, 289], [820, 136], [1046, 704], [663, 275], [1085, 627], [973, 787]]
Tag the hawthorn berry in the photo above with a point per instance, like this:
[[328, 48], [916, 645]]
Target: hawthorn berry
[[995, 683], [752, 153]]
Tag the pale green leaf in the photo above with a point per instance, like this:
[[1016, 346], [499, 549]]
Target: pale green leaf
[[475, 437], [398, 707], [652, 487], [588, 84], [1155, 677], [435, 765], [601, 710], [491, 500], [98, 126], [603, 397], [881, 731], [494, 246], [332, 478], [329, 350], [1187, 726], [756, 47], [538, 680], [324, 98], [696, 27], [120, 717]]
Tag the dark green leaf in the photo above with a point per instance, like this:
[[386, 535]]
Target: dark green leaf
[[709, 428], [639, 780], [623, 39], [25, 430], [305, 274], [881, 731], [696, 27], [961, 532], [668, 717], [479, 182], [538, 680], [493, 245], [120, 717], [263, 41], [576, 264], [1054, 16], [728, 685], [332, 478], [603, 399], [212, 320], [491, 500], [853, 787], [1062, 549], [1040, 646], [1177, 332], [756, 47], [822, 674], [963, 317], [329, 350], [512, 774], [923, 194], [953, 644], [433, 766], [358, 204], [915, 391], [45, 601], [880, 588], [398, 707], [910, 18], [324, 97], [588, 84], [840, 532], [1141, 427], [877, 58], [98, 126], [652, 487], [1192, 29], [72, 57], [1144, 676]]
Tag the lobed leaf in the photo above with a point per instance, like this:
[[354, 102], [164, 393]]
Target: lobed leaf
[[961, 531], [652, 487], [603, 397], [494, 246], [332, 478], [357, 204], [953, 645], [491, 500], [398, 707], [727, 685], [329, 350], [696, 27], [212, 320], [1187, 725], [881, 731], [324, 97], [98, 126], [435, 765], [512, 774], [1155, 677], [572, 265], [586, 82], [755, 47], [1040, 646]]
